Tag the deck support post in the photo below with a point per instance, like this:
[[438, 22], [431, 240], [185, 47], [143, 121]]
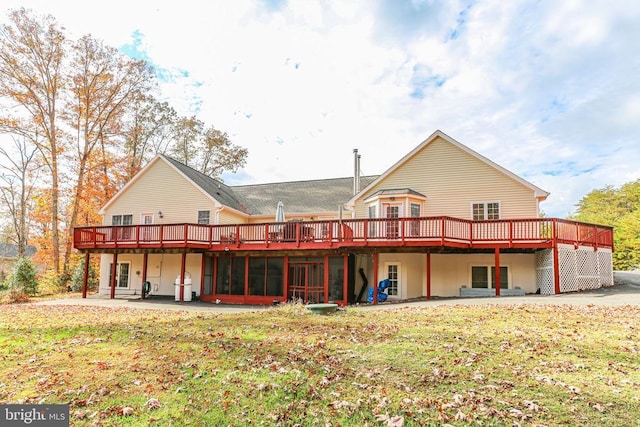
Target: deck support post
[[286, 277], [145, 260], [497, 278], [85, 279], [345, 279], [183, 264], [114, 272], [556, 259], [428, 275], [325, 278], [375, 278]]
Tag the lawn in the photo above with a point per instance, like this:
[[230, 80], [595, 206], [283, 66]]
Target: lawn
[[457, 365]]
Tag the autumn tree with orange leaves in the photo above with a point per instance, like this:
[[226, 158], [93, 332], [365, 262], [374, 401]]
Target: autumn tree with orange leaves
[[90, 115]]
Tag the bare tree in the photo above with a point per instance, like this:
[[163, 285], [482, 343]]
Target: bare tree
[[148, 128], [218, 154], [32, 52], [17, 172]]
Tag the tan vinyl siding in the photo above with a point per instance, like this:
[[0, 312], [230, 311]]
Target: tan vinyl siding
[[452, 179], [162, 271], [162, 189], [450, 272], [231, 217]]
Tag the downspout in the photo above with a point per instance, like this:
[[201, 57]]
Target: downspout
[[217, 214]]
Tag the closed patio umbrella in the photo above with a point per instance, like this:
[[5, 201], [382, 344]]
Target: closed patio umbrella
[[280, 212]]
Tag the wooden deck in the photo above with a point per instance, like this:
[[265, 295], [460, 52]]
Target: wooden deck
[[353, 233]]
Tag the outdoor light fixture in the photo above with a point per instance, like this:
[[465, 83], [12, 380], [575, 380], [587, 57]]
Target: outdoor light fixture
[[226, 248], [160, 214]]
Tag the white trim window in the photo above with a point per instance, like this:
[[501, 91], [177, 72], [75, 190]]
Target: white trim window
[[146, 218], [484, 276], [204, 217], [485, 210], [393, 274], [121, 219], [414, 229], [372, 225]]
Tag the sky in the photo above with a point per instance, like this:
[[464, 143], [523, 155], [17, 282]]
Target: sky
[[548, 89]]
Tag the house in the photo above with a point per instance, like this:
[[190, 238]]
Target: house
[[442, 221], [8, 257]]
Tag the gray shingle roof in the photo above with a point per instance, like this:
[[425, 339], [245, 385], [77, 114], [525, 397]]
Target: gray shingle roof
[[322, 195], [215, 188]]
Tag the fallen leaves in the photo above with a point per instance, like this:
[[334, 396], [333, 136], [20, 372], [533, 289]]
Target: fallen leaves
[[459, 365]]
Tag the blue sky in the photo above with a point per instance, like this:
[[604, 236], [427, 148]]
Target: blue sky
[[546, 89]]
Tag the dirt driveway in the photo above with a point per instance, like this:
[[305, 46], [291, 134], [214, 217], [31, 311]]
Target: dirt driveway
[[625, 291]]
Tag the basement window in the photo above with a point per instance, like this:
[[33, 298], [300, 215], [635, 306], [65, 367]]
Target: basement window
[[485, 276]]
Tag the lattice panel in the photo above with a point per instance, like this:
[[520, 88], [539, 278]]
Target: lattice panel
[[580, 269], [605, 267], [568, 270], [544, 271], [587, 269]]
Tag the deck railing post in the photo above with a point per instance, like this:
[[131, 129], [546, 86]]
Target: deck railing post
[[510, 233], [366, 230], [331, 233], [186, 234]]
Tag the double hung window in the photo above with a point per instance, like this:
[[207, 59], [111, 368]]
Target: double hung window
[[485, 210]]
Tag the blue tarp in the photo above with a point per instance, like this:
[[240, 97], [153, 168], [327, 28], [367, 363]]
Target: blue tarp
[[382, 287]]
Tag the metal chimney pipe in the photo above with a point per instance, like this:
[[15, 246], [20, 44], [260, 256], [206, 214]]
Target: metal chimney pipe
[[356, 173]]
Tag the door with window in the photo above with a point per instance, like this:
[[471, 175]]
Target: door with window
[[393, 274], [306, 281], [146, 219], [122, 274], [392, 224]]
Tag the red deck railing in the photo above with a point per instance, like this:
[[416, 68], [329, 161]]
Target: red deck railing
[[378, 232]]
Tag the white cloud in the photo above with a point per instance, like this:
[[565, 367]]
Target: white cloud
[[547, 89]]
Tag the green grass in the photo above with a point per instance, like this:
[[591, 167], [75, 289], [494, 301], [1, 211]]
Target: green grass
[[482, 365]]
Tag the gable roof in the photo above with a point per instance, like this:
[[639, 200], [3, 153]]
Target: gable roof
[[395, 192], [323, 195], [300, 197], [538, 192], [213, 187]]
